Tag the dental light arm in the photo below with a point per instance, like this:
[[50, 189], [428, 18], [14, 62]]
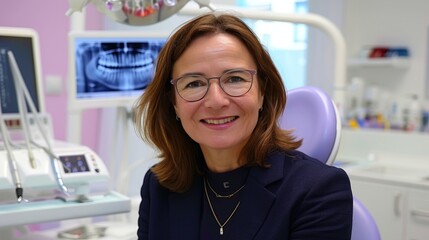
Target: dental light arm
[[76, 6]]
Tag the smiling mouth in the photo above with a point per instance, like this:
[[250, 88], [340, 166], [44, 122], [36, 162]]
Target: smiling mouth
[[219, 121]]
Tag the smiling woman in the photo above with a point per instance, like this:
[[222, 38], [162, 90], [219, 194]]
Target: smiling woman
[[212, 111], [220, 122]]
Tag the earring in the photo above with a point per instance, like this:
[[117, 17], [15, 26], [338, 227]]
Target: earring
[[177, 118]]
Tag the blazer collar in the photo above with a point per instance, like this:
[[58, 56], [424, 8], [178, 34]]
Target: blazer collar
[[256, 199], [256, 202]]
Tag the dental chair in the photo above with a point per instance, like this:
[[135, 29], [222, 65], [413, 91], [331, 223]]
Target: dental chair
[[311, 113]]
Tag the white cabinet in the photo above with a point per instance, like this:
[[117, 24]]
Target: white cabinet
[[401, 211], [389, 173], [418, 215], [386, 204]]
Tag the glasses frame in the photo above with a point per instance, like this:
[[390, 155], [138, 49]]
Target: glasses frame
[[251, 71]]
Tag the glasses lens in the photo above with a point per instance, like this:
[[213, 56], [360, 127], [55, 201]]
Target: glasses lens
[[236, 83], [192, 87]]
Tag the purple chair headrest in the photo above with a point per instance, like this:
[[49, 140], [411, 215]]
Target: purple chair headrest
[[311, 113]]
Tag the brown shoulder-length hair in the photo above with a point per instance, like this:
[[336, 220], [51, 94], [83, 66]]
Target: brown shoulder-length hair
[[155, 118]]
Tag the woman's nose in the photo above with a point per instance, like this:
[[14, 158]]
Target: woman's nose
[[215, 97]]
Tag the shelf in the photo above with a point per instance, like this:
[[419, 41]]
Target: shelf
[[55, 209], [379, 62]]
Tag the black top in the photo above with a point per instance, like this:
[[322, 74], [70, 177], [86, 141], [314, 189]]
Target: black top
[[225, 184]]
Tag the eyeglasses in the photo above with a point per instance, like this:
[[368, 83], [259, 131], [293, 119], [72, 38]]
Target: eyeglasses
[[193, 87]]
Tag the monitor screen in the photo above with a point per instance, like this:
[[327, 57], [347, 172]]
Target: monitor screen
[[74, 163], [23, 43], [111, 69]]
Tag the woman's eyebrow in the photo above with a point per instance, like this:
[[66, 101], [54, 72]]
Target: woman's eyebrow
[[202, 74], [193, 73]]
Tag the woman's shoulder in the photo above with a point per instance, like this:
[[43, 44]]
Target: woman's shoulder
[[298, 163], [150, 179], [299, 169], [152, 185], [295, 157]]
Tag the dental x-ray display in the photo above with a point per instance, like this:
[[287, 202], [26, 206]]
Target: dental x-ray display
[[21, 42], [112, 68]]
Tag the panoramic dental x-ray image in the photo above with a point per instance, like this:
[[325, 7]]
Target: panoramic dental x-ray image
[[115, 65]]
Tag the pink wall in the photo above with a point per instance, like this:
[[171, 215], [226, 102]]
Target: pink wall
[[48, 18]]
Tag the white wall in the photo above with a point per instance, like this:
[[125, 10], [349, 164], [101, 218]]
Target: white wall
[[368, 23], [320, 48], [392, 23]]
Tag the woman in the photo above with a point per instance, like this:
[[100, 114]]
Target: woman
[[227, 170]]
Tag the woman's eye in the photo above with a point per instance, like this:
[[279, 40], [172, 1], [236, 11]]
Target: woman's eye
[[195, 83], [234, 79]]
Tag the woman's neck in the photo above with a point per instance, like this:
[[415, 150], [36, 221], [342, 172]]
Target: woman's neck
[[219, 160]]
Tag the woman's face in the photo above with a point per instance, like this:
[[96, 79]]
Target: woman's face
[[218, 121]]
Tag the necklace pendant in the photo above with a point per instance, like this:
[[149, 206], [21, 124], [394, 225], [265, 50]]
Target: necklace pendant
[[221, 231]]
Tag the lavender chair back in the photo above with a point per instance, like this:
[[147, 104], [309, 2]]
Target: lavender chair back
[[311, 113], [364, 225]]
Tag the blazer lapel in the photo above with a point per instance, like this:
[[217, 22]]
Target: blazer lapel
[[256, 199], [256, 202], [185, 210]]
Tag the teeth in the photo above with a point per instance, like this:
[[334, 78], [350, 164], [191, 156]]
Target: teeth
[[121, 70], [220, 121]]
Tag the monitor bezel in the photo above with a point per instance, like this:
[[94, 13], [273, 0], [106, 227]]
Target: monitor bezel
[[33, 35], [79, 104]]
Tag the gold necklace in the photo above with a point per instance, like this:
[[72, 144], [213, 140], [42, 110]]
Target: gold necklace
[[224, 196], [213, 212]]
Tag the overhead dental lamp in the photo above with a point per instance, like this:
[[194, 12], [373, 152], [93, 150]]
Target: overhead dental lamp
[[135, 12]]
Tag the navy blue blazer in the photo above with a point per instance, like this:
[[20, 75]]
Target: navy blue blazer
[[298, 197]]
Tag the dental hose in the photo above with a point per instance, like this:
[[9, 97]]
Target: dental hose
[[23, 115], [19, 83], [19, 191]]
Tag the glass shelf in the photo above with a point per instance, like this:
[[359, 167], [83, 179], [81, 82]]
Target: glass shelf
[[379, 62]]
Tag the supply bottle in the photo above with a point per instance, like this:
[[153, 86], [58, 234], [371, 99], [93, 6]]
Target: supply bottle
[[415, 116]]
